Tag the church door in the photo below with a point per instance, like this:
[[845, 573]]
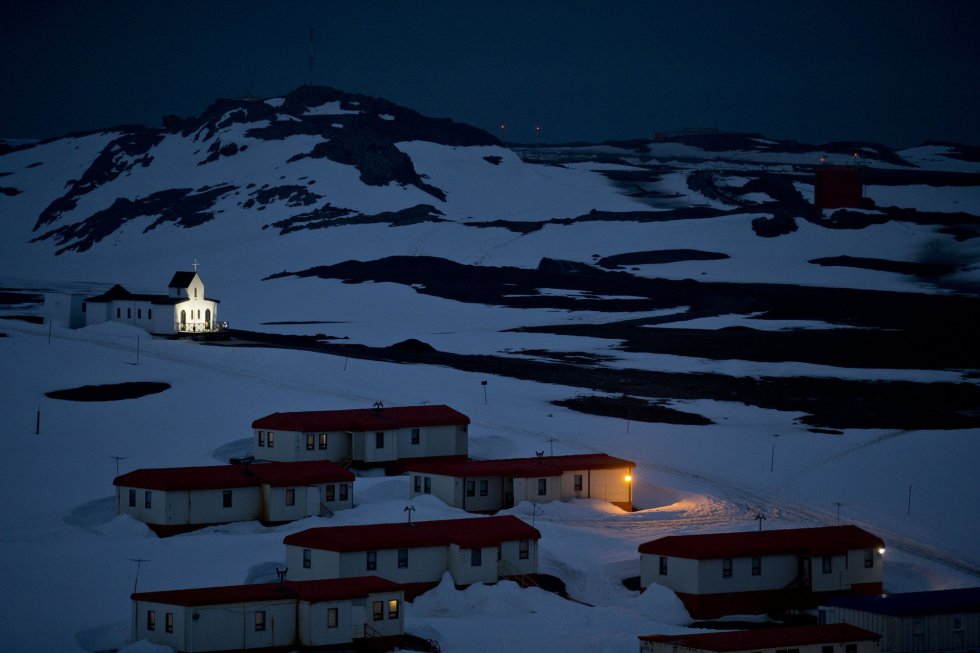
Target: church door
[[183, 320], [207, 320]]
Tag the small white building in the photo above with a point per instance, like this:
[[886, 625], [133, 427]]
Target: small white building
[[184, 309], [416, 555], [798, 639], [177, 499], [945, 620], [64, 309], [314, 614], [763, 572], [491, 485], [365, 436]]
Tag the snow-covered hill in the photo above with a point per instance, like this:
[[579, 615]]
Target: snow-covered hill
[[674, 302]]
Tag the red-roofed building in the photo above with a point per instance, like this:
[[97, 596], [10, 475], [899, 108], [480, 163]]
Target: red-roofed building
[[270, 616], [184, 309], [800, 639], [491, 485], [757, 572], [178, 499], [473, 550], [364, 436]]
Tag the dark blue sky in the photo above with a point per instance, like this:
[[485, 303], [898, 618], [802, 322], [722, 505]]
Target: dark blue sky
[[894, 72]]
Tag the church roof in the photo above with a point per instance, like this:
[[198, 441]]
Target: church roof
[[182, 279], [117, 292]]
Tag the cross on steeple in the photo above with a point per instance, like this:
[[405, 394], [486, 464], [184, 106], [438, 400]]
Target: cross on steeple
[[195, 264]]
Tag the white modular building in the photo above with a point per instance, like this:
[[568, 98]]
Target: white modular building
[[177, 499], [492, 485], [799, 639]]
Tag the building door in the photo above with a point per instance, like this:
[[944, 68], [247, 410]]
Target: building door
[[358, 614], [183, 320], [313, 508], [207, 319]]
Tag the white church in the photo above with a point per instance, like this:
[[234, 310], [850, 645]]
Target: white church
[[184, 309]]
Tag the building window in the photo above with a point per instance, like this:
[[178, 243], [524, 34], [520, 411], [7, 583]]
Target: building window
[[827, 649], [428, 485], [869, 558], [129, 313], [132, 498], [917, 626], [290, 496], [578, 482], [663, 565], [957, 622], [344, 491], [271, 438], [476, 557], [379, 440], [259, 620], [168, 622], [309, 442], [416, 436], [392, 608], [372, 561], [139, 316], [470, 488], [330, 492], [756, 566], [147, 499], [331, 617], [195, 293], [403, 558], [307, 559], [524, 549], [379, 611], [226, 499], [484, 488], [151, 619], [417, 484], [149, 313], [726, 567], [323, 440], [118, 313], [850, 648], [542, 487], [827, 565], [261, 438]]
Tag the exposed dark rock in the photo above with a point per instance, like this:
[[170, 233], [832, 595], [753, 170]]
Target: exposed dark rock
[[9, 191], [658, 257], [291, 194], [110, 392], [495, 160], [332, 216], [412, 345], [902, 267], [779, 224], [632, 408]]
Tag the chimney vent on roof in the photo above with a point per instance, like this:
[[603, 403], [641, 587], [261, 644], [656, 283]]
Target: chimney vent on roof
[[281, 573]]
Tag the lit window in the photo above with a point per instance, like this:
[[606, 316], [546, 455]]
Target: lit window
[[344, 488], [307, 559], [663, 565], [756, 566], [151, 620], [226, 499], [309, 442], [132, 498], [147, 499], [261, 438], [259, 620], [331, 491], [542, 487], [271, 437], [470, 488], [524, 549], [323, 440], [827, 565], [578, 482], [416, 436], [726, 567], [484, 488], [372, 561], [379, 611], [290, 496], [168, 622], [869, 558], [403, 558], [392, 608], [379, 440], [331, 617], [476, 557]]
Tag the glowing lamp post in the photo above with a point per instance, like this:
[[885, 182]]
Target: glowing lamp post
[[629, 488]]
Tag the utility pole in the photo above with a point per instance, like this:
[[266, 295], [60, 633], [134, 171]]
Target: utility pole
[[37, 421], [838, 504], [139, 563], [484, 384], [551, 441], [409, 510], [117, 459], [760, 518]]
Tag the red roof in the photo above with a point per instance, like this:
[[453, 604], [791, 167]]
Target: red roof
[[754, 640], [521, 467], [276, 474], [310, 591], [362, 419], [824, 540], [466, 533]]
